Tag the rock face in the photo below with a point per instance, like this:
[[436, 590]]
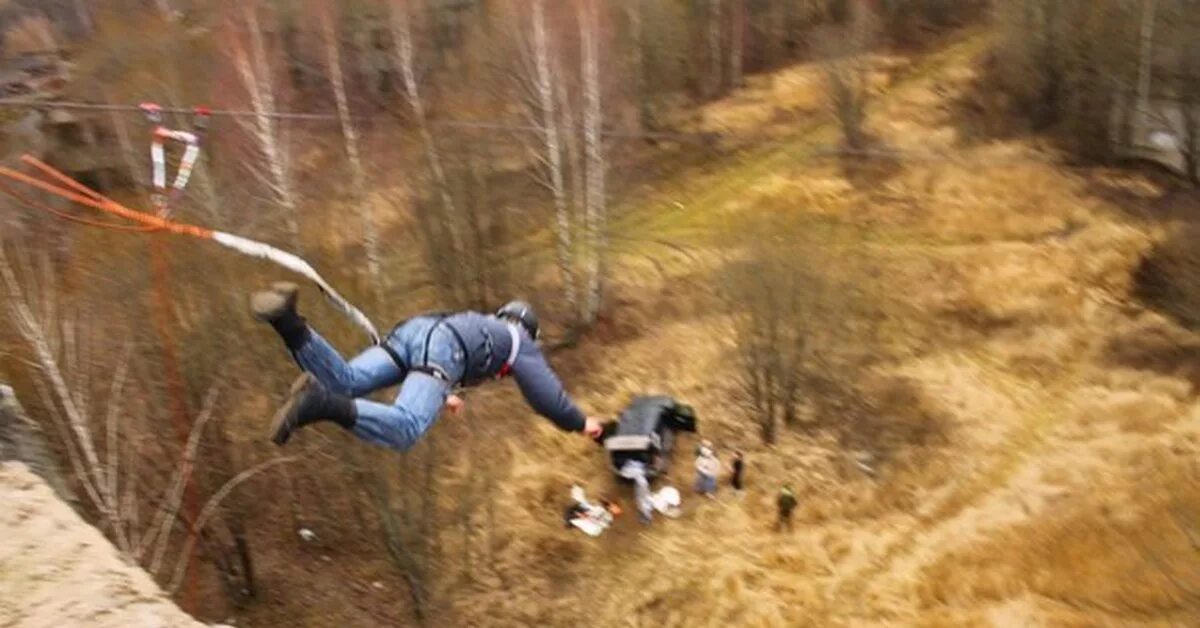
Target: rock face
[[56, 570], [22, 440]]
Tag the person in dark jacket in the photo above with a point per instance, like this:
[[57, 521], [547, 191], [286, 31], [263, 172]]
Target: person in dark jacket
[[785, 503], [427, 355], [737, 468]]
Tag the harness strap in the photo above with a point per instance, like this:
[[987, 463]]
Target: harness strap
[[512, 354], [434, 369], [437, 371], [387, 348]]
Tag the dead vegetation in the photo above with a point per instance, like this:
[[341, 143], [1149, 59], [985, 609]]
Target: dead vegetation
[[1010, 452], [993, 430]]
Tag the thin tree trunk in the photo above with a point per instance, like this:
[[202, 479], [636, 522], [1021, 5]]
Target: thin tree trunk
[[637, 22], [737, 15], [1146, 65], [158, 537], [89, 471], [412, 91], [85, 17], [206, 513], [593, 141], [570, 136], [350, 140], [479, 200], [553, 150], [256, 79], [1190, 107], [124, 143], [715, 57], [777, 31]]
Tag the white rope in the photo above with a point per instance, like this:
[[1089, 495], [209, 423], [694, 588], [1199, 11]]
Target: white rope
[[295, 264]]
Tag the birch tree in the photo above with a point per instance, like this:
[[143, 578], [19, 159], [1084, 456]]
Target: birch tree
[[593, 119], [1185, 48], [358, 179], [403, 38], [104, 464], [843, 50], [254, 72], [542, 88], [737, 41], [552, 157], [716, 64], [777, 31], [641, 70]]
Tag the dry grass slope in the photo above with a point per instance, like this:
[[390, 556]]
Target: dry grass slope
[[1065, 491]]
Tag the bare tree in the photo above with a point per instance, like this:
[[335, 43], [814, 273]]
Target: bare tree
[[800, 310], [254, 72], [544, 115], [1187, 72], [103, 462], [124, 143], [641, 61], [737, 41], [777, 30], [1146, 56], [716, 64], [358, 179], [843, 51], [86, 23], [593, 120], [563, 169], [405, 53]]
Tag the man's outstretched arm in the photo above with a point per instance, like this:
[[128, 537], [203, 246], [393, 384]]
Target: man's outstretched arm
[[545, 394]]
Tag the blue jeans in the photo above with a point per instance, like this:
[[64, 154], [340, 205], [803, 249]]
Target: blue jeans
[[706, 483], [400, 425]]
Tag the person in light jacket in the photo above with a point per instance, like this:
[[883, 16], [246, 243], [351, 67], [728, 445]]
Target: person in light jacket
[[707, 468]]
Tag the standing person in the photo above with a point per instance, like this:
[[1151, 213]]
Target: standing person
[[786, 503], [707, 468], [738, 466], [427, 355]]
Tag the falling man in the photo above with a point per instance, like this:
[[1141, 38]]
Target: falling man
[[428, 355]]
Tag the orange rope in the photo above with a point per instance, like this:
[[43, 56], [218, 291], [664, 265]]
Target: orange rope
[[68, 181], [48, 187], [76, 219], [103, 204]]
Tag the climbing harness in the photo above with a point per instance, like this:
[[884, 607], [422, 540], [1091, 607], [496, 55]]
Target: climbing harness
[[59, 184], [435, 370]]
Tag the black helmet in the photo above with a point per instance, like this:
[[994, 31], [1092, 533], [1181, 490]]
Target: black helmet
[[521, 312]]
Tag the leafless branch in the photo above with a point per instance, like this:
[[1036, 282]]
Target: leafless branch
[[207, 512], [158, 536]]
